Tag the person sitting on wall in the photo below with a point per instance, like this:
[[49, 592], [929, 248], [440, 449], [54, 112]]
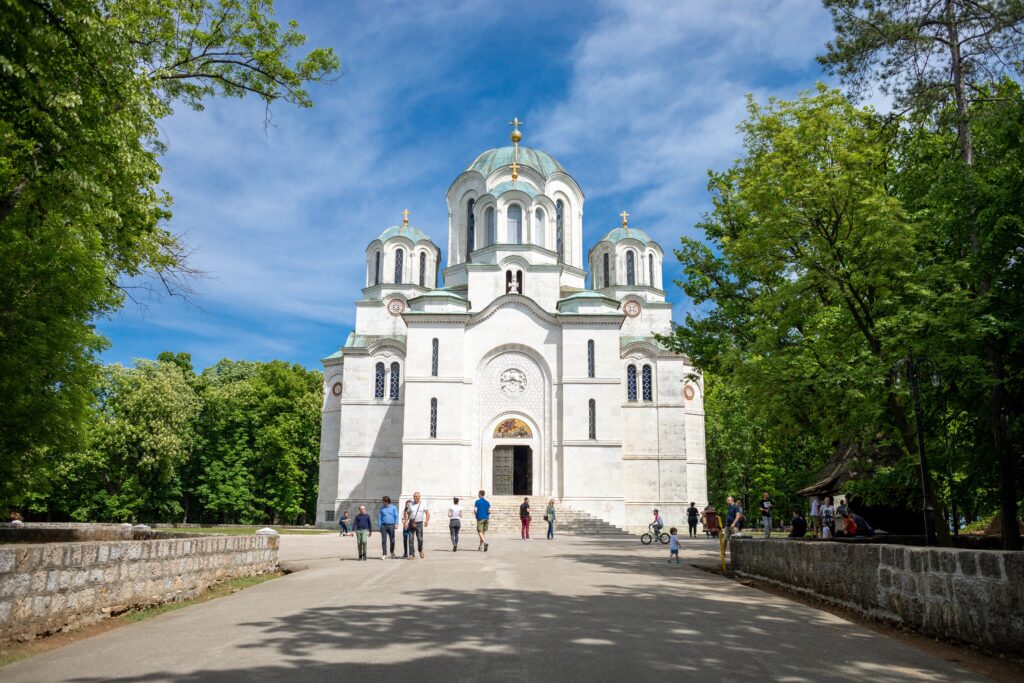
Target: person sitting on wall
[[799, 525], [849, 529], [16, 518], [863, 528]]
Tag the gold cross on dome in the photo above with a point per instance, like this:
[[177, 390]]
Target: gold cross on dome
[[625, 215], [405, 217], [515, 123]]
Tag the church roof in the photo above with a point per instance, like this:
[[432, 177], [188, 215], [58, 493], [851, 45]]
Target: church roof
[[501, 188], [619, 234], [493, 159], [407, 231]]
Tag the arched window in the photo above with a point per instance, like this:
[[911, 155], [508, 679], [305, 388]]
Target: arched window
[[538, 228], [423, 269], [396, 377], [630, 268], [433, 358], [399, 262], [631, 383], [514, 281], [647, 388], [592, 422], [470, 228], [515, 224], [559, 225], [433, 418], [607, 270], [650, 269], [490, 225], [590, 358], [378, 382], [376, 268]]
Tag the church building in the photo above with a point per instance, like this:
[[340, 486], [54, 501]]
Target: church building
[[517, 376]]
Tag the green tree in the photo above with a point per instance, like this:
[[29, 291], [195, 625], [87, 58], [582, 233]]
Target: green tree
[[83, 220]]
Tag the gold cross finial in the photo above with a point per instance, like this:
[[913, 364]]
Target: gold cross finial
[[625, 216], [405, 217], [516, 135]]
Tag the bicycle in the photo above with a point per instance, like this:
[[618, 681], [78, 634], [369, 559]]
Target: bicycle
[[649, 537]]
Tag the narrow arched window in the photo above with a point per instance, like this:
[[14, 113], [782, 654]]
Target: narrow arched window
[[650, 269], [607, 270], [590, 358], [396, 378], [592, 422], [630, 268], [647, 387], [433, 358], [423, 269], [399, 263], [376, 268], [378, 382], [559, 227], [538, 228], [515, 224], [433, 418], [490, 225], [521, 281], [631, 383], [470, 228]]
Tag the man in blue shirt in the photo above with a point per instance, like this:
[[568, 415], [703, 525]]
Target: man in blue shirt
[[482, 509], [387, 518], [734, 518]]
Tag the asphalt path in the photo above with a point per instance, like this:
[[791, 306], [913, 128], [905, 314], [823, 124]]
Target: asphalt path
[[571, 609]]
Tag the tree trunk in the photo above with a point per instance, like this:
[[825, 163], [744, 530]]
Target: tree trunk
[[963, 118]]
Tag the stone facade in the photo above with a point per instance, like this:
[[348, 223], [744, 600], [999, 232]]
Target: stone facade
[[608, 421], [52, 587], [975, 596]]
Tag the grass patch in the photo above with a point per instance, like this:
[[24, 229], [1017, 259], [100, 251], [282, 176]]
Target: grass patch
[[14, 652], [243, 531]]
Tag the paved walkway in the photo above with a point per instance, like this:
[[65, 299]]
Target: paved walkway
[[573, 609]]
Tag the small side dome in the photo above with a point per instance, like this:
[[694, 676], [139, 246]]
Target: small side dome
[[407, 231], [619, 234]]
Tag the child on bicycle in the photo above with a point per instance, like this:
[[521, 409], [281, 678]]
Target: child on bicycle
[[673, 545]]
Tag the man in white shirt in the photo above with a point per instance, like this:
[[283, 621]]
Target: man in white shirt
[[816, 516], [417, 519]]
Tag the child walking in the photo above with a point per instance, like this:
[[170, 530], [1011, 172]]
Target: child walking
[[673, 544]]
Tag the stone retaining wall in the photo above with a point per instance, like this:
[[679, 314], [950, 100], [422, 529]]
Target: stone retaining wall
[[52, 587], [976, 596]]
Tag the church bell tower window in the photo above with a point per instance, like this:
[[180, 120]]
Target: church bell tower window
[[378, 382], [592, 421], [396, 377], [647, 383], [606, 270], [650, 269], [470, 228], [559, 226], [514, 216], [538, 228], [376, 268], [399, 259], [631, 383], [433, 418], [423, 269], [434, 358], [630, 268], [590, 358], [490, 226]]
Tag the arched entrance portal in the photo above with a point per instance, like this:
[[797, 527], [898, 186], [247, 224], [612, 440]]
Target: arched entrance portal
[[513, 471]]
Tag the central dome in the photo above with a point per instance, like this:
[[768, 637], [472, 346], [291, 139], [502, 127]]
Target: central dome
[[493, 159]]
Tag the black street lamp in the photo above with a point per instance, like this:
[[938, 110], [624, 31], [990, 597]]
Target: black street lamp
[[911, 366]]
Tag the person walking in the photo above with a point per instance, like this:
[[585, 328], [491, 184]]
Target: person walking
[[828, 513], [455, 523], [673, 544], [816, 516], [524, 519], [734, 518], [419, 519], [549, 517], [363, 527], [387, 519], [405, 530], [692, 514], [482, 511], [765, 508]]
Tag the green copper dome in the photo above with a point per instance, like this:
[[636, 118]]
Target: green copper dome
[[412, 234], [619, 234], [493, 159]]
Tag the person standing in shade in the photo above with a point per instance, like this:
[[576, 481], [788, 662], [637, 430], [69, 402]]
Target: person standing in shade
[[455, 523], [692, 515], [799, 525], [524, 519], [734, 518], [549, 517], [482, 511], [419, 519], [828, 513], [765, 508], [816, 516], [363, 527], [673, 544], [387, 519], [405, 530]]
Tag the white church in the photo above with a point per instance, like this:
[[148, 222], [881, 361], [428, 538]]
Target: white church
[[515, 377]]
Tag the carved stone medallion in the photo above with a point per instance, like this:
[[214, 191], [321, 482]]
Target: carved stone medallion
[[512, 382], [631, 308], [688, 392], [336, 389], [396, 307]]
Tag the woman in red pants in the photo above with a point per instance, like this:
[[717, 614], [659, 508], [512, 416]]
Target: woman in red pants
[[524, 518]]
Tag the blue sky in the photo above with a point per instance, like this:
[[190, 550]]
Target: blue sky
[[637, 100]]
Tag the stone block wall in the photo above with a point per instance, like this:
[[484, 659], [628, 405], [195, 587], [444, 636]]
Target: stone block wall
[[975, 596], [52, 587]]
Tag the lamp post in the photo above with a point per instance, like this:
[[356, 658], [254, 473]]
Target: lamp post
[[911, 366]]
